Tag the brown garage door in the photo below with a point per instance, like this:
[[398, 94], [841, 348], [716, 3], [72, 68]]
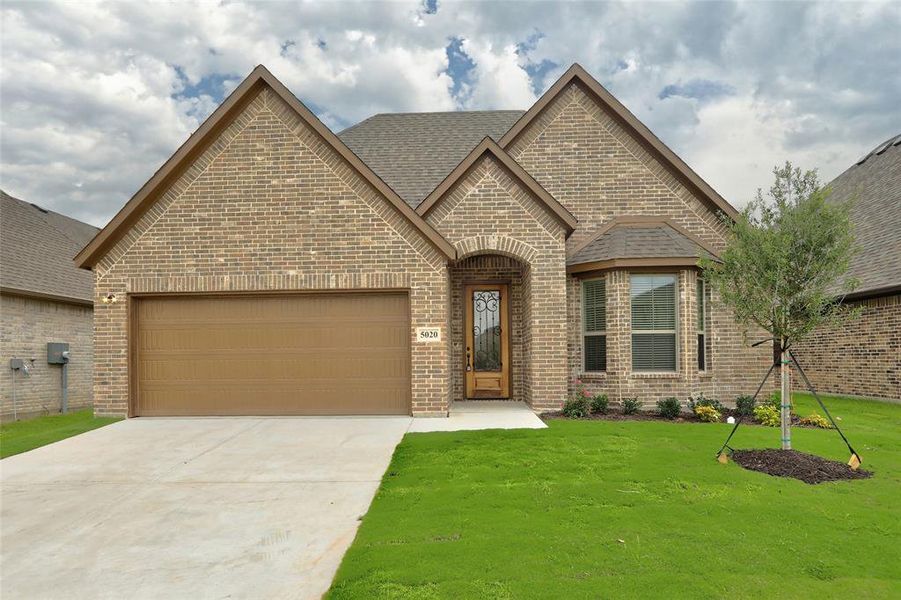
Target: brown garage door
[[312, 354]]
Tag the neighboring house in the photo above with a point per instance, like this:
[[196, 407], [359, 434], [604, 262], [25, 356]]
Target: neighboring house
[[862, 357], [44, 298], [273, 267]]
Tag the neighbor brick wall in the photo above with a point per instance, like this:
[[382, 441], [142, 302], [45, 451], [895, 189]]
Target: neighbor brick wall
[[489, 212], [860, 357], [27, 324], [597, 170], [270, 206]]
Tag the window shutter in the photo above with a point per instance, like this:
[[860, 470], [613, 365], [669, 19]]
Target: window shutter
[[594, 305]]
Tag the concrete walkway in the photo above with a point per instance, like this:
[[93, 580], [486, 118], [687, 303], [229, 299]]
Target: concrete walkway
[[202, 508], [482, 414]]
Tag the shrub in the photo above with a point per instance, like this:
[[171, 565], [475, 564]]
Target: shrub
[[700, 400], [669, 408], [599, 404], [816, 420], [775, 400], [576, 407], [765, 414], [631, 406], [708, 414], [744, 405]]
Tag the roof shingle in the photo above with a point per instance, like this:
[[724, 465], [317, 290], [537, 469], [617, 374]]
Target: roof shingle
[[414, 152], [36, 251], [873, 185]]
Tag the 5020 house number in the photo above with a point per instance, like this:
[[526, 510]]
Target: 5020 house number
[[428, 334]]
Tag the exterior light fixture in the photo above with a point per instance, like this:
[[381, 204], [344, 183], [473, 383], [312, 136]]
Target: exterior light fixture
[[110, 299]]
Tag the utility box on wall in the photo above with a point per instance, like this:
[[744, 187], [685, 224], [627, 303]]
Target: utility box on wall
[[57, 353]]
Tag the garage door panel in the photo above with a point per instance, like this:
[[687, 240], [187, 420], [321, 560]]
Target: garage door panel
[[265, 355]]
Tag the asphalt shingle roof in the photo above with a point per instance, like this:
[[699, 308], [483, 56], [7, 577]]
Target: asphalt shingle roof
[[36, 250], [873, 184], [645, 241], [414, 152]]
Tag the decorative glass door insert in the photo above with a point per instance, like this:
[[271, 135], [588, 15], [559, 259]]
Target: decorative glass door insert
[[487, 341]]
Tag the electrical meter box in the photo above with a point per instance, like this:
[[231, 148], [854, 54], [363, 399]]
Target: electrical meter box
[[57, 353]]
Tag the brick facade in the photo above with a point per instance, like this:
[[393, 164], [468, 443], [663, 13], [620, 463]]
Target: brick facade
[[489, 212], [270, 206], [860, 357], [27, 325], [575, 140]]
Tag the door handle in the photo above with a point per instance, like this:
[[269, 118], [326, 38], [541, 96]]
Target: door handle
[[468, 359]]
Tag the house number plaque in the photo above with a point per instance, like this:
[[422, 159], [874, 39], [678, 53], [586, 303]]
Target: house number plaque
[[428, 334]]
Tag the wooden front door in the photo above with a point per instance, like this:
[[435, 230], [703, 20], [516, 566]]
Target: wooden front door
[[487, 328]]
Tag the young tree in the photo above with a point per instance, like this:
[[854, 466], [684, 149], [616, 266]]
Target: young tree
[[781, 268]]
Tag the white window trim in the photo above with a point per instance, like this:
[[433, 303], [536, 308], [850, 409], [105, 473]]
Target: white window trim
[[586, 333], [676, 307]]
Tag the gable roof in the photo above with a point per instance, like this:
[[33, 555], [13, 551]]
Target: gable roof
[[873, 185], [206, 134], [638, 242], [489, 146], [36, 249], [414, 152], [650, 142]]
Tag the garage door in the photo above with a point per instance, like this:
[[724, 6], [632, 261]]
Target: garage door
[[315, 354]]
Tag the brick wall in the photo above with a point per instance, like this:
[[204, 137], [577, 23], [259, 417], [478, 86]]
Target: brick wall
[[489, 212], [26, 327], [593, 166], [860, 357], [270, 206]]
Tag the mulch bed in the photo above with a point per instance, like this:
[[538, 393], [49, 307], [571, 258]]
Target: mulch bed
[[685, 417], [798, 465]]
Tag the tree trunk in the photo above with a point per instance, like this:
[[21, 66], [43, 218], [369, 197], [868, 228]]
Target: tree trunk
[[786, 399]]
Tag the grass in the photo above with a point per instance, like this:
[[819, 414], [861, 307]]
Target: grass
[[22, 436], [595, 509]]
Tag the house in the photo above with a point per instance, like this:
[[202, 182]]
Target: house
[[273, 267], [44, 298], [862, 357]]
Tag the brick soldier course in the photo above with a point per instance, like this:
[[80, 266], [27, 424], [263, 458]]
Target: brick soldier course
[[263, 198]]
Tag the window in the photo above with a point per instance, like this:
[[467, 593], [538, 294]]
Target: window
[[702, 324], [653, 322], [594, 325]]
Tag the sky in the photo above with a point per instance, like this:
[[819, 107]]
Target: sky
[[95, 96]]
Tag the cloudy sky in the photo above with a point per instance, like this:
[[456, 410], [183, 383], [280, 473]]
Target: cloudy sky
[[94, 97]]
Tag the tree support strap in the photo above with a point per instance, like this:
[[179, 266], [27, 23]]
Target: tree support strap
[[854, 454], [741, 417]]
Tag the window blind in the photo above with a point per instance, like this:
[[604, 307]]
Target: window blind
[[653, 322]]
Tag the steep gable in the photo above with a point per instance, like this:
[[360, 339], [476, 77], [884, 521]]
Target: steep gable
[[599, 161], [259, 92]]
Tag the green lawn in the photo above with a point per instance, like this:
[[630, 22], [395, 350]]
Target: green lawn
[[631, 509], [22, 436]]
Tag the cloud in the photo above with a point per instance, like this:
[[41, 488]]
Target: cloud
[[97, 95]]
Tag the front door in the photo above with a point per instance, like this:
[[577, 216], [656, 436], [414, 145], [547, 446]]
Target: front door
[[487, 330]]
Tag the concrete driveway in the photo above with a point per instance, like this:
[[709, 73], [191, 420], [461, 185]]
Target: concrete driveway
[[191, 508]]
